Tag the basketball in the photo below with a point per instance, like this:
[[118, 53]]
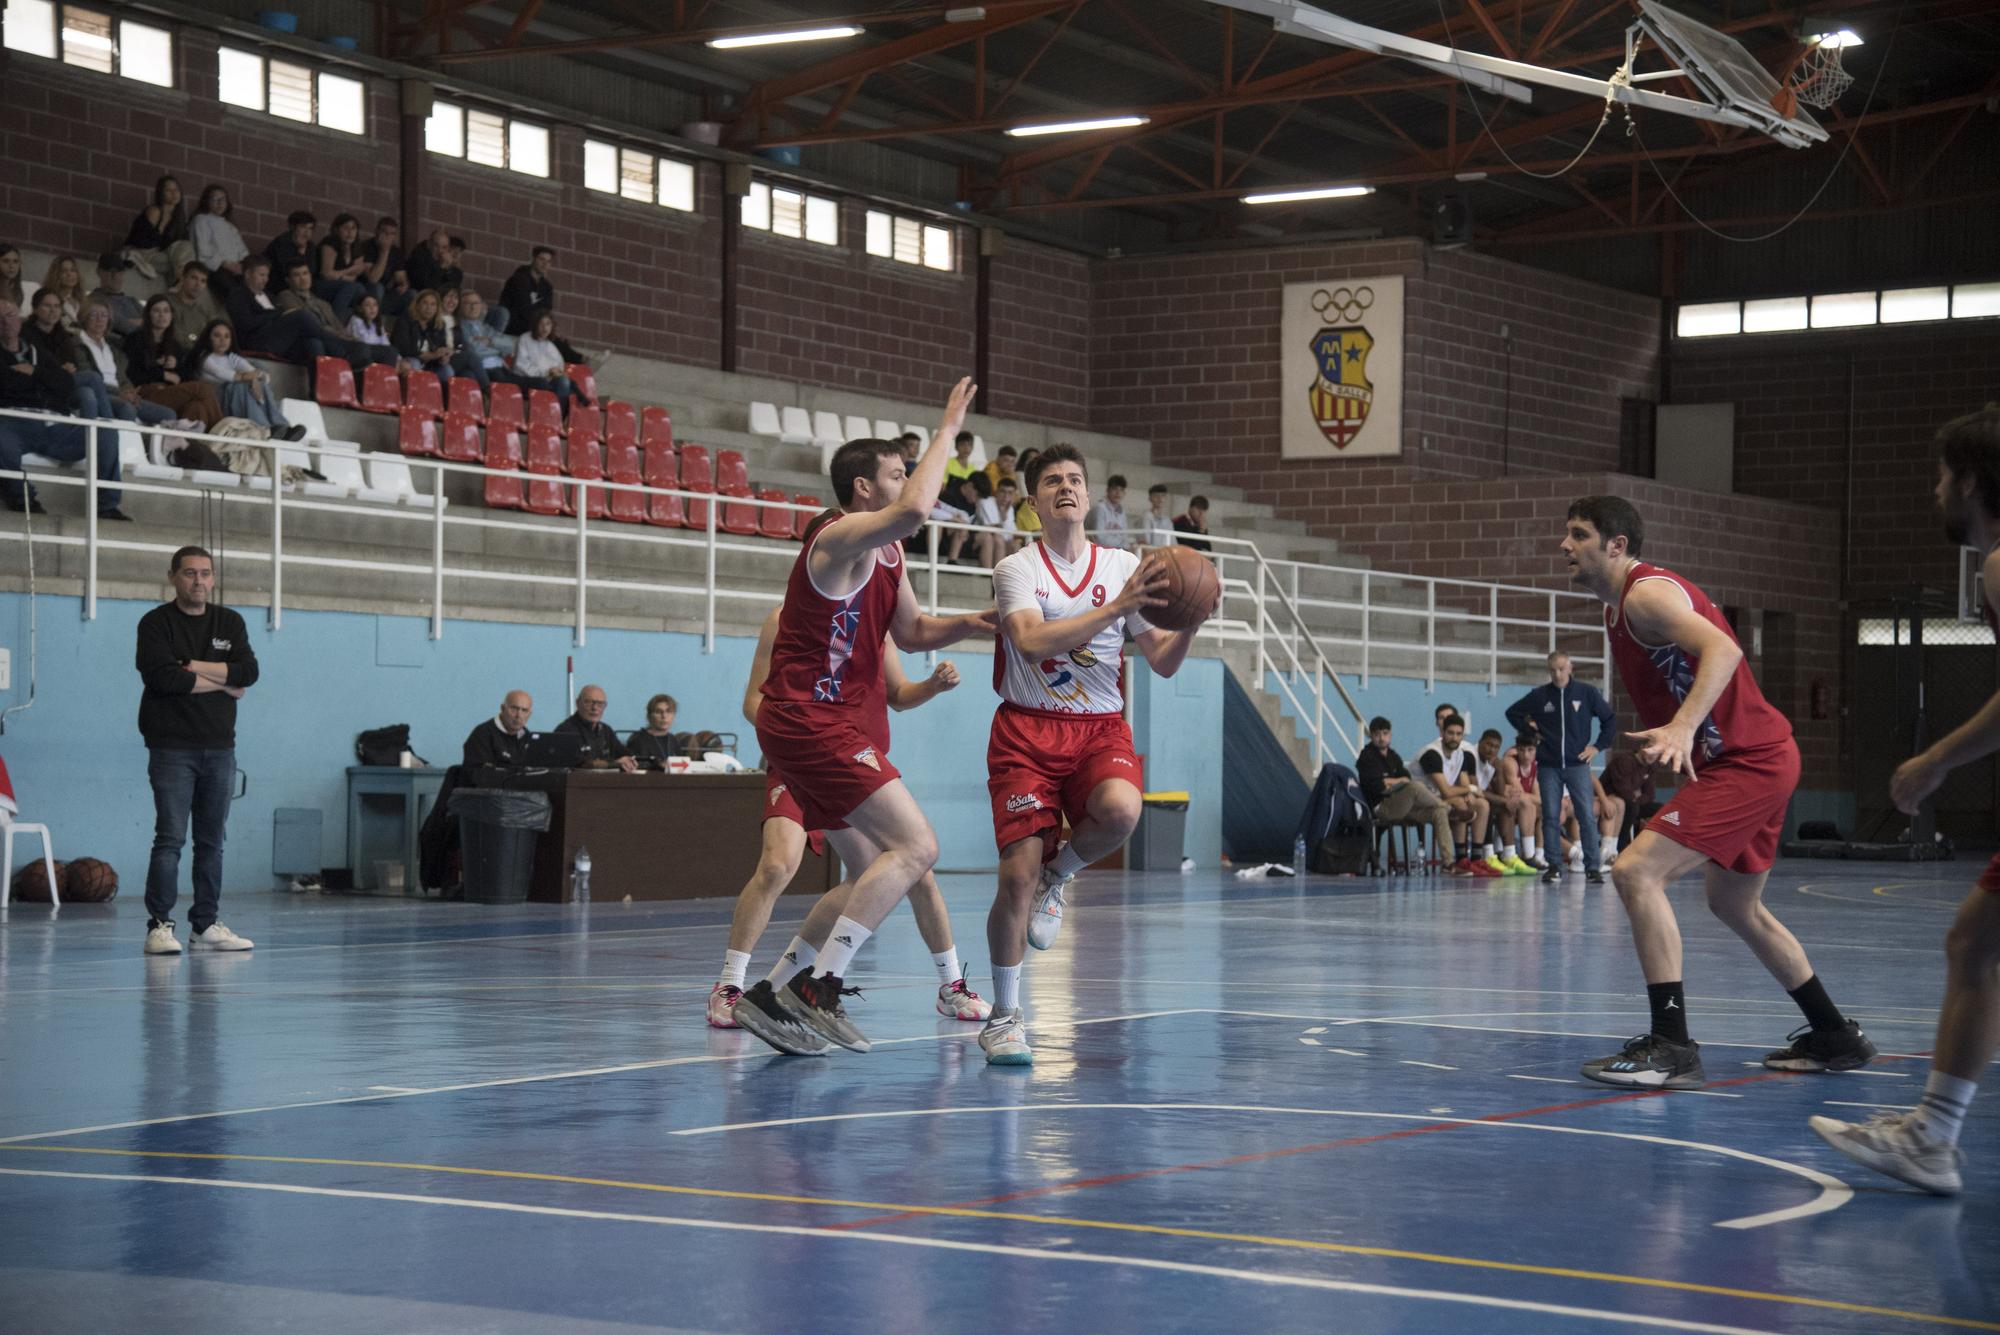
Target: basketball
[[1190, 590], [89, 881], [31, 883]]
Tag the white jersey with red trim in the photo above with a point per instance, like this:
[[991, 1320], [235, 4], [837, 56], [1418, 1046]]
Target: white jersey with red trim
[[1089, 679]]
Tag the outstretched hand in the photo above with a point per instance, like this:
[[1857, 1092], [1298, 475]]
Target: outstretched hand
[[956, 406], [1671, 746]]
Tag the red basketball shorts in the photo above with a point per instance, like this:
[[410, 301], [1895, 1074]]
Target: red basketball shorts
[[1041, 767], [780, 805], [824, 757], [1989, 880], [1734, 812]]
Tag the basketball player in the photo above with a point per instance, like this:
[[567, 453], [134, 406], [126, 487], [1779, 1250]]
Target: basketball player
[[1522, 794], [1507, 807], [1447, 764], [1921, 1147], [785, 841], [1704, 718], [845, 595], [1060, 746]]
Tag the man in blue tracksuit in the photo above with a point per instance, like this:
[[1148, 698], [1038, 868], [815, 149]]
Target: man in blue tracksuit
[[1561, 714]]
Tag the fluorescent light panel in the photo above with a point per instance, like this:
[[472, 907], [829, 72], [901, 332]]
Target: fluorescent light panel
[[1299, 196], [1077, 127], [1840, 40], [776, 38]]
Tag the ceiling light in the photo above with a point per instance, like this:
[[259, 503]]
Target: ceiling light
[[1836, 41], [968, 14], [1469, 176], [774, 38], [1299, 196], [1077, 127]]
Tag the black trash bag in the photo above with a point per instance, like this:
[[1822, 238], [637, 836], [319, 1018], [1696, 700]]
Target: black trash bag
[[508, 808], [383, 746]]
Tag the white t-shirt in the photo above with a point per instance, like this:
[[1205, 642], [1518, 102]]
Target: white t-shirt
[[1157, 530], [1486, 773], [1109, 522], [1089, 678], [1451, 766], [992, 515]]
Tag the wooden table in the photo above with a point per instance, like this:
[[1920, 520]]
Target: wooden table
[[663, 836]]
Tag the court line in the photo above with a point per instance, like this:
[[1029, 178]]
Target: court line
[[1893, 1107], [1028, 1253], [1435, 1066], [1544, 1033]]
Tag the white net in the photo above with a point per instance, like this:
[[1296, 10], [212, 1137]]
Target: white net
[[1820, 78]]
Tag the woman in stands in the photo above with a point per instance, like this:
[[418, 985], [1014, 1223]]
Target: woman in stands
[[10, 277], [420, 335], [217, 243], [159, 235], [538, 360], [97, 352], [341, 277], [65, 279], [45, 330], [153, 358], [245, 390]]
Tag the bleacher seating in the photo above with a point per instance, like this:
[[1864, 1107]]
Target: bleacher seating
[[885, 430], [801, 519], [544, 460], [856, 428], [586, 422], [390, 476], [465, 399], [772, 521], [621, 423], [697, 475], [305, 413], [663, 469], [503, 450], [764, 420], [416, 432], [795, 426], [333, 383], [621, 464], [504, 408], [460, 441], [423, 391], [827, 430], [585, 381], [381, 390], [545, 410], [656, 427], [584, 460]]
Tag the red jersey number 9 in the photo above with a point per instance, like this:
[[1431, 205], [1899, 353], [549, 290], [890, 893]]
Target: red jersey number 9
[[1097, 596]]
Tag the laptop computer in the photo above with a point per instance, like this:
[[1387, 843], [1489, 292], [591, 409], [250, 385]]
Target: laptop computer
[[553, 750]]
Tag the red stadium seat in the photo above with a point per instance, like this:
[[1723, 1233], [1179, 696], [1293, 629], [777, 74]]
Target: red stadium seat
[[621, 422], [802, 519], [663, 469], [586, 422], [732, 474], [503, 450], [464, 398], [460, 440], [545, 409], [544, 459], [585, 381], [381, 390], [416, 432], [585, 457], [696, 475], [422, 391], [621, 464], [333, 383], [504, 408], [656, 427], [773, 522]]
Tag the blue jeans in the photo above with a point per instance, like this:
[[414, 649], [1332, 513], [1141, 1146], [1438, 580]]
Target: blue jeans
[[92, 398], [1583, 798], [240, 400], [341, 294], [188, 783], [65, 443]]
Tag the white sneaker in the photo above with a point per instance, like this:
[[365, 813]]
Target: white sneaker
[[1576, 857], [218, 937], [1047, 918], [1005, 1040], [161, 940], [1605, 866], [1899, 1145], [722, 999], [959, 1002]]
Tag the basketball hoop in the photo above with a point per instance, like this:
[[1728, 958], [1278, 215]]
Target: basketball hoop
[[1818, 80]]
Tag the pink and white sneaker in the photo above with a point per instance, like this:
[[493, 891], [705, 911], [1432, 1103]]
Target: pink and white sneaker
[[722, 999], [959, 1002]]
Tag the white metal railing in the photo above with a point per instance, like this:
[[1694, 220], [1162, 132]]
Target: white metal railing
[[1269, 603]]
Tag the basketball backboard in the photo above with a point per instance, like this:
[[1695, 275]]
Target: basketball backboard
[[1723, 70]]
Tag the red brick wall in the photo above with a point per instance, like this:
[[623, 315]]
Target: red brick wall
[[1039, 357]]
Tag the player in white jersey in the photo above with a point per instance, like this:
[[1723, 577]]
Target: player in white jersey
[[1060, 746]]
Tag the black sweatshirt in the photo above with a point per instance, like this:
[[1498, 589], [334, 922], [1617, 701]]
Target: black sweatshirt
[[171, 716]]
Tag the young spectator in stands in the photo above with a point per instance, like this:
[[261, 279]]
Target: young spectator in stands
[[96, 352], [1385, 782], [65, 279], [89, 395], [217, 243], [1195, 521], [244, 390], [420, 336], [365, 326], [10, 277], [1107, 518], [538, 359], [341, 274], [258, 323], [1506, 807], [293, 245], [332, 337], [1450, 768], [960, 464], [157, 242], [1026, 462], [430, 266], [153, 358], [126, 312], [658, 741], [482, 350], [1025, 518], [1001, 465], [1005, 516], [529, 291], [195, 307], [385, 275], [29, 380], [1156, 526]]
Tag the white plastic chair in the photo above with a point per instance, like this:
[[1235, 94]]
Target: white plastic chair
[[343, 474], [798, 426], [9, 827], [389, 476], [285, 455], [886, 430], [306, 413], [857, 428], [978, 459], [764, 420], [826, 427], [207, 477]]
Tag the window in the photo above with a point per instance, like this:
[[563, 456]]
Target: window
[[908, 241], [1763, 317], [91, 39], [1916, 303], [600, 167], [487, 138], [291, 91], [677, 185], [1831, 310], [1715, 317], [635, 175], [638, 175], [444, 132], [1843, 310], [790, 213], [1970, 299]]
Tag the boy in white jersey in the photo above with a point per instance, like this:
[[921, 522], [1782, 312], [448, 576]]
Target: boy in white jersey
[[1060, 745]]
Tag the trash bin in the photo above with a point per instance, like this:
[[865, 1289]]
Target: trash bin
[[1157, 842], [497, 829]]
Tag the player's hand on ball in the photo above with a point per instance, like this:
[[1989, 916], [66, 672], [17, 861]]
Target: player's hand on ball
[[946, 676], [1671, 746], [1147, 585], [1914, 780]]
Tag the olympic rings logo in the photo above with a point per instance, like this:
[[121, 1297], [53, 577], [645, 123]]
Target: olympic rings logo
[[1344, 304]]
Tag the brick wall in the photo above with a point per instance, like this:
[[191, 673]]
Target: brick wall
[[1039, 357]]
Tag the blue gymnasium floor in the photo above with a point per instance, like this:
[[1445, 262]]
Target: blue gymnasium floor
[[1264, 1106]]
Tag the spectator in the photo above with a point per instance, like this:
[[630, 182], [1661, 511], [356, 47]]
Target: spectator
[[420, 336], [244, 390], [1001, 466], [1385, 782], [1025, 518], [601, 743], [1026, 463], [448, 311], [89, 395], [342, 273], [1107, 517], [217, 243], [1630, 780], [385, 274], [528, 291], [538, 361], [126, 312], [331, 337], [658, 741], [65, 279], [482, 350], [10, 277], [28, 380], [996, 512], [96, 352], [960, 464], [502, 740], [430, 267], [1520, 790], [1564, 752], [153, 357], [968, 496], [260, 326], [157, 242], [294, 245], [365, 326], [1195, 521], [1451, 769], [1610, 817], [1156, 529], [195, 307], [913, 448], [1506, 804]]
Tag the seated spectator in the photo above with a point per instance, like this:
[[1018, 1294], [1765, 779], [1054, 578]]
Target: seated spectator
[[65, 279], [430, 267], [1107, 518], [502, 739], [1610, 819], [1001, 465], [1156, 529], [1516, 785], [448, 311], [420, 337], [971, 494], [28, 379], [1385, 782], [1195, 521], [539, 361], [385, 274], [97, 352], [658, 741], [153, 358], [244, 390], [1630, 780], [10, 277], [259, 323], [217, 243], [1506, 806], [157, 242], [89, 395], [482, 350], [951, 507], [292, 246], [341, 275], [330, 336], [1450, 768], [195, 306], [587, 722], [1026, 462], [960, 463], [1001, 513], [126, 312], [365, 326], [528, 292]]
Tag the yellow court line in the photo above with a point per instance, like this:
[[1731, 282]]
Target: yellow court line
[[1058, 1221]]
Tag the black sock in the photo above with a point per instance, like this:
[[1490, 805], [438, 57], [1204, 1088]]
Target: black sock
[[1669, 1011], [1819, 1009]]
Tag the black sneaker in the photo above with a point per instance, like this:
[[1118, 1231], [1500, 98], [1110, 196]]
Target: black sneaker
[[1593, 877], [1552, 876], [1650, 1062], [816, 1001], [1842, 1049], [758, 1011]]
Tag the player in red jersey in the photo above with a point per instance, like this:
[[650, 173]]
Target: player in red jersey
[[1705, 719], [1921, 1146], [1060, 746], [784, 846], [845, 595]]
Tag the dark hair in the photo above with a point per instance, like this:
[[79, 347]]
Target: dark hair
[[386, 221], [1493, 733], [1055, 454], [198, 267], [1444, 709], [208, 191], [299, 218], [1526, 739], [981, 483], [184, 553], [172, 226], [1969, 446], [962, 438], [296, 264], [663, 699], [910, 435], [1115, 480], [153, 344], [458, 241], [1157, 489], [1007, 480], [1612, 517], [858, 459], [341, 220], [1006, 450], [255, 262], [204, 347], [1452, 721], [1198, 503], [534, 254], [1378, 724]]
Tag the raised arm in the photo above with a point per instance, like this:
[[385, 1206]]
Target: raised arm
[[1658, 612], [760, 666], [840, 545]]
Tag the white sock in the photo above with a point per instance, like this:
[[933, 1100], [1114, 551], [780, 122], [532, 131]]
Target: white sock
[[1486, 850], [947, 964], [1527, 845], [1067, 863], [1947, 1099], [1006, 987], [1509, 851], [798, 955], [735, 964], [1610, 848], [847, 937]]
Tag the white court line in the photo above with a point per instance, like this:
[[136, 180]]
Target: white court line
[[1309, 1042], [1435, 1066], [1893, 1107], [1502, 1029], [1832, 1195], [394, 1089], [930, 1243], [1545, 1079], [1347, 1052]]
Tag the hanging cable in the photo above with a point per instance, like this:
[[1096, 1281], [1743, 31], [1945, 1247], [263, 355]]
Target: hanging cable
[[1620, 78]]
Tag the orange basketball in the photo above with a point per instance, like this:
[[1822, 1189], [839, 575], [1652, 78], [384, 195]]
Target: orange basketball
[[1190, 590]]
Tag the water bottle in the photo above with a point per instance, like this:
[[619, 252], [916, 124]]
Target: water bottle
[[1299, 854], [579, 878]]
